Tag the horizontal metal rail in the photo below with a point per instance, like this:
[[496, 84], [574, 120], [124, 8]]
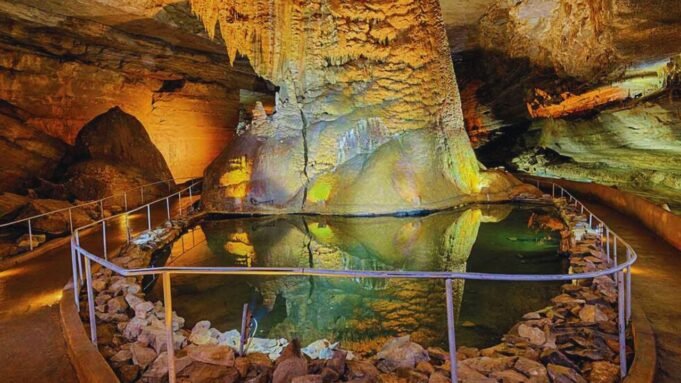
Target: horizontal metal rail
[[608, 241], [100, 202]]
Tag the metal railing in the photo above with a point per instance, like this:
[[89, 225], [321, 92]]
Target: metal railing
[[123, 198], [608, 241]]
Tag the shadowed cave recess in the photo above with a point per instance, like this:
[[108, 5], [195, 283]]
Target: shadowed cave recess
[[344, 135]]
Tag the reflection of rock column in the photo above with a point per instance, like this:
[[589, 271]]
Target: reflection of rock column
[[368, 116], [457, 244]]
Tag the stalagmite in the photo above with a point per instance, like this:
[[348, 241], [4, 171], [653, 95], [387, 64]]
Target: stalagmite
[[368, 116]]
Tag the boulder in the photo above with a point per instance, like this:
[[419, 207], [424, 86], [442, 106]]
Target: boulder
[[290, 364], [604, 372], [361, 370], [24, 242], [142, 355], [212, 354], [562, 374], [114, 153], [400, 353], [198, 372], [307, 379]]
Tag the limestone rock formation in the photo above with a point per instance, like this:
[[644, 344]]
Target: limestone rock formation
[[68, 62], [114, 153], [27, 153], [368, 117], [566, 35]]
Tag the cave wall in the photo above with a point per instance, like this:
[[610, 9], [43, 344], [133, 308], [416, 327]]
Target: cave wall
[[65, 64]]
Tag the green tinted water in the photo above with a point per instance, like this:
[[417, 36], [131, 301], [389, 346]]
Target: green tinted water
[[493, 238]]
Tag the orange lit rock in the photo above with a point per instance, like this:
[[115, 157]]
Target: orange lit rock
[[67, 62], [575, 104]]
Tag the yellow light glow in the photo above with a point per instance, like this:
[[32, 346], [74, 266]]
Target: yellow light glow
[[236, 180]]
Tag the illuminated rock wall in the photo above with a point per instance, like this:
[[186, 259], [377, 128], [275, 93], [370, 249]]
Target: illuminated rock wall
[[368, 117], [64, 63], [571, 37]]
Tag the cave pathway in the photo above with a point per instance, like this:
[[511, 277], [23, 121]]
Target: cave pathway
[[656, 287], [32, 345]]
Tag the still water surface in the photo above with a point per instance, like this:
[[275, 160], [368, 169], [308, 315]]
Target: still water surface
[[361, 312]]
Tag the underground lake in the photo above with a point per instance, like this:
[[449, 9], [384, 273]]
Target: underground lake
[[362, 313]]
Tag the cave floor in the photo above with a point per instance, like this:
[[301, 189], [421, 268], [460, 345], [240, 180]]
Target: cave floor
[[32, 345], [656, 287]]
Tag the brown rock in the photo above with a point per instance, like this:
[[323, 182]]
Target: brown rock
[[592, 314], [288, 369], [329, 375], [561, 374], [508, 376], [604, 372], [142, 355], [260, 362], [128, 373], [361, 369], [242, 365], [307, 379], [439, 377], [425, 367], [466, 352], [116, 305], [400, 353], [199, 372], [337, 362], [486, 366], [532, 369], [534, 335], [212, 354], [438, 354]]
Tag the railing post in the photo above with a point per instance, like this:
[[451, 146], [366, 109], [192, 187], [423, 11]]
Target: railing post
[[191, 199], [106, 253], [125, 201], [621, 325], [127, 226], [101, 208], [450, 328], [170, 344], [70, 221], [607, 242], [30, 236], [149, 217], [628, 290], [168, 208], [591, 217], [74, 270], [78, 257], [179, 200], [90, 302]]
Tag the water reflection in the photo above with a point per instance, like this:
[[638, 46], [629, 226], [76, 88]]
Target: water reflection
[[493, 238]]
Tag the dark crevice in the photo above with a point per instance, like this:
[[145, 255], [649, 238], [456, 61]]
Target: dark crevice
[[305, 158]]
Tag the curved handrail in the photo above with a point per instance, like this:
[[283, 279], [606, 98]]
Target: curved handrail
[[620, 271], [93, 202]]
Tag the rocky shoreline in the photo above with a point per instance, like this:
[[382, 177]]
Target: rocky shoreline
[[573, 340]]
